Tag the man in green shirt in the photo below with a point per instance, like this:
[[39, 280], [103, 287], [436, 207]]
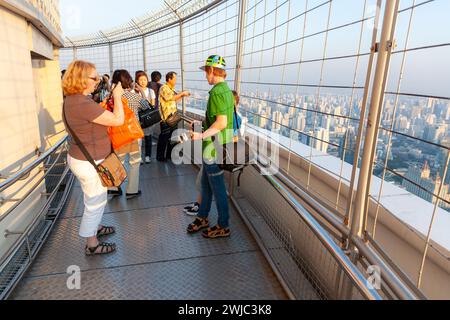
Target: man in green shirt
[[218, 124]]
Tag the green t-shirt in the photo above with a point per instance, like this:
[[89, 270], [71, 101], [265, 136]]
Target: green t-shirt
[[220, 102]]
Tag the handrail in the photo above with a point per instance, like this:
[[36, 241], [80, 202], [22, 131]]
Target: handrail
[[400, 283], [17, 176], [349, 268], [26, 171], [394, 282], [23, 235]]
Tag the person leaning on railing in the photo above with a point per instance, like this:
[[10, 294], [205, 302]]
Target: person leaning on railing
[[218, 124], [89, 122], [168, 99]]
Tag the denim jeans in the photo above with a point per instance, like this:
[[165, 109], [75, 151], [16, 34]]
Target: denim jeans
[[213, 183]]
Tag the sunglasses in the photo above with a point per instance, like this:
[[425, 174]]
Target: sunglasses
[[96, 78]]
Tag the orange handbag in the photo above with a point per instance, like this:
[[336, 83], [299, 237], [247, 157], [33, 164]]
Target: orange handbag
[[128, 132]]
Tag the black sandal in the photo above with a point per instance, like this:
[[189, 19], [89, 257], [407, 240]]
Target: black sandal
[[105, 249], [104, 231]]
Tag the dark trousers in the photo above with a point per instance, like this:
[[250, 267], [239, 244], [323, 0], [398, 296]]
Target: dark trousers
[[164, 149], [148, 146]]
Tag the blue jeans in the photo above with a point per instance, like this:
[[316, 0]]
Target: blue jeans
[[213, 183]]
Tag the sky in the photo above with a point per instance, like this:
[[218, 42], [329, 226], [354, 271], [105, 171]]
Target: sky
[[80, 17], [426, 71]]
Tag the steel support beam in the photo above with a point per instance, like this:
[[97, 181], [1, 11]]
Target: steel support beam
[[373, 121]]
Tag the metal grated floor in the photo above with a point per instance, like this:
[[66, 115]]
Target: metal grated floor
[[156, 258]]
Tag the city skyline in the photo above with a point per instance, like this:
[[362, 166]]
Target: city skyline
[[420, 126]]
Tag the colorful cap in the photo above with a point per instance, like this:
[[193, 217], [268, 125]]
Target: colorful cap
[[215, 61]]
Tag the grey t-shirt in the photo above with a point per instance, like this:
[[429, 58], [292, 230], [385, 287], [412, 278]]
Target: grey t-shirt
[[80, 111]]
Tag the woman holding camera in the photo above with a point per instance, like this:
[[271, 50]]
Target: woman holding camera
[[89, 122]]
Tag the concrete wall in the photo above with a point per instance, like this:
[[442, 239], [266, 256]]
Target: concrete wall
[[30, 114]]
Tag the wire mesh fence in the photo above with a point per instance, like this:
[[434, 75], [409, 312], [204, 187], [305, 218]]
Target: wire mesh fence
[[305, 83]]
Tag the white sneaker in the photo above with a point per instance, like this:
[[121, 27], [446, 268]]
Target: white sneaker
[[148, 160], [192, 210]]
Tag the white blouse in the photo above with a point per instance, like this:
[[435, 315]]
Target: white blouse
[[149, 94]]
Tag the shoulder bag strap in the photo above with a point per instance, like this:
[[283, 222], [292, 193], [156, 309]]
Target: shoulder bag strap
[[208, 123], [236, 119], [79, 144]]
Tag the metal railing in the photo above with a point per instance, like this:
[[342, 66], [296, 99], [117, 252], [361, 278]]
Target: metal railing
[[284, 57], [343, 262], [270, 232], [54, 175]]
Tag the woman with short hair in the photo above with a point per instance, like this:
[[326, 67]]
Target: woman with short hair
[[89, 122], [148, 94]]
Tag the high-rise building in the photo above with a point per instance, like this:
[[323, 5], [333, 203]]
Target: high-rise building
[[347, 145], [300, 122], [422, 184], [322, 138], [434, 133], [277, 120]]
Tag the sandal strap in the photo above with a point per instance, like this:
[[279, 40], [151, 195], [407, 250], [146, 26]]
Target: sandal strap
[[106, 230], [105, 248], [92, 249], [199, 221]]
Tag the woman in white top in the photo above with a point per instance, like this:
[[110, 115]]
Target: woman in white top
[[141, 80]]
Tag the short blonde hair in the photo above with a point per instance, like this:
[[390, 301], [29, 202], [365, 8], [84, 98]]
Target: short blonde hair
[[76, 77]]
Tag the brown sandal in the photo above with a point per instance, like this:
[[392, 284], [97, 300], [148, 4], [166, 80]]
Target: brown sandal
[[104, 231], [105, 248]]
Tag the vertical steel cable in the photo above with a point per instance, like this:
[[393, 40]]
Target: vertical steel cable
[[240, 44], [274, 41], [318, 93], [389, 145], [253, 37], [430, 228], [262, 47], [298, 77], [362, 121], [351, 103], [283, 73]]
